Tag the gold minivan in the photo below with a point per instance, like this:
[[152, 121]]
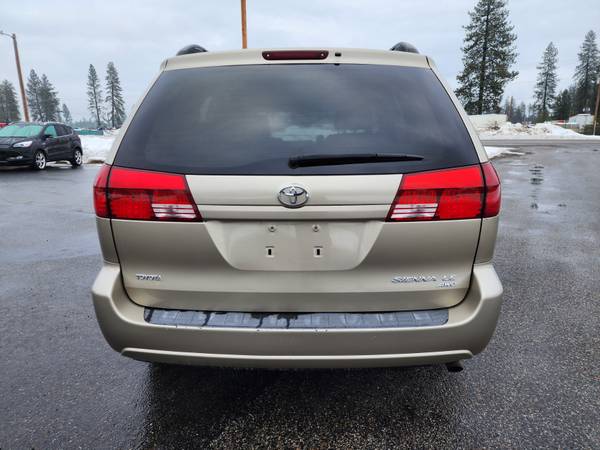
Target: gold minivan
[[298, 208]]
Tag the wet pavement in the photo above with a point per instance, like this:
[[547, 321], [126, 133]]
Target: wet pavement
[[536, 385]]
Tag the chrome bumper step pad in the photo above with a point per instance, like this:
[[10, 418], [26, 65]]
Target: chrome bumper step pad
[[322, 320]]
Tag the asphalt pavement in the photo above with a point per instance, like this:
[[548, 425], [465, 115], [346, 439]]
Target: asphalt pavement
[[536, 385]]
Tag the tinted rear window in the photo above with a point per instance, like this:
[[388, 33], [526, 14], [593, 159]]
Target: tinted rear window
[[249, 120]]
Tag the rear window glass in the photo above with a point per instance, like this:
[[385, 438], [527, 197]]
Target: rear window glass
[[250, 120]]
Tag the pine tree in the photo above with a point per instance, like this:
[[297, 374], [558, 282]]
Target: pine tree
[[547, 80], [586, 74], [33, 96], [9, 106], [509, 108], [48, 100], [562, 106], [520, 113], [573, 97], [3, 105], [530, 113], [488, 54], [94, 93], [114, 97], [66, 115]]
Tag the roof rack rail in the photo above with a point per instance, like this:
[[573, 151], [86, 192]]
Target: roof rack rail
[[189, 49], [404, 47]]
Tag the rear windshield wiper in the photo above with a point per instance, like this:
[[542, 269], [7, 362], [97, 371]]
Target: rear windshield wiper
[[350, 158]]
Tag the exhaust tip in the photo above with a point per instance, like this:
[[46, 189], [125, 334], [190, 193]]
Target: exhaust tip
[[455, 366]]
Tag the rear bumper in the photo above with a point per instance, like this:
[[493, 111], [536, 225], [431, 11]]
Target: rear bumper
[[468, 330]]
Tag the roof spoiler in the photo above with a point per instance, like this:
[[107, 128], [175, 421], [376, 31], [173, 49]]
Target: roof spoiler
[[190, 49], [404, 47]]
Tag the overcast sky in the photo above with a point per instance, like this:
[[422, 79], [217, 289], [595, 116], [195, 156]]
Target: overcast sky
[[61, 38]]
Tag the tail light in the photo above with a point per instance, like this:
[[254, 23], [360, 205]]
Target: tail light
[[492, 191], [143, 195], [451, 194]]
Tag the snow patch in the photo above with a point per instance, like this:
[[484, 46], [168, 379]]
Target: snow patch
[[488, 121], [96, 148], [539, 130], [495, 152]]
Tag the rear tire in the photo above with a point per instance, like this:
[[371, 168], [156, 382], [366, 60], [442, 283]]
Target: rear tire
[[39, 160], [77, 159]]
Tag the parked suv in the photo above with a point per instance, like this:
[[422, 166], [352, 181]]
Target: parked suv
[[298, 208], [35, 144]]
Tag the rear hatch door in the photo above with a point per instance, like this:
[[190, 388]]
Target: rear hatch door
[[233, 133]]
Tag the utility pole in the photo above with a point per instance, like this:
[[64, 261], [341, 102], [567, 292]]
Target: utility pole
[[20, 74], [244, 35], [596, 110]]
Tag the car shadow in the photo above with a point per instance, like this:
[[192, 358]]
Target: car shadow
[[51, 166], [231, 408]]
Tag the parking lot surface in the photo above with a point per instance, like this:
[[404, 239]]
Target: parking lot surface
[[536, 385]]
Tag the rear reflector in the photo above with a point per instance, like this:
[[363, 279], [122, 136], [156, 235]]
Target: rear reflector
[[492, 190], [449, 194], [143, 195], [100, 185], [277, 55]]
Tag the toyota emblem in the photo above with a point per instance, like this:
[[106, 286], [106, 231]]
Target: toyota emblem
[[293, 196]]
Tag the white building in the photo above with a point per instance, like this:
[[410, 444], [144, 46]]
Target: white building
[[581, 120]]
